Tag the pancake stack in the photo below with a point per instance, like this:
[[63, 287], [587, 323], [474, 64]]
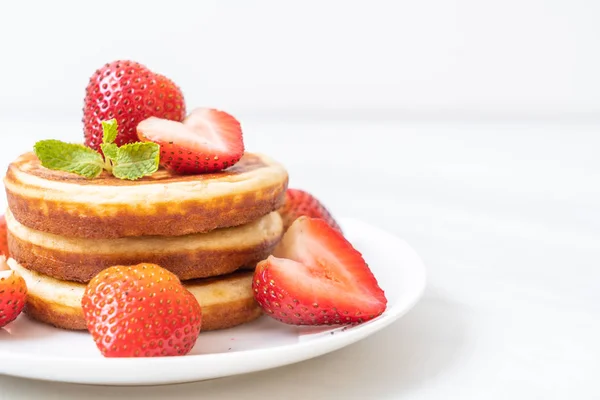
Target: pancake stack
[[210, 230]]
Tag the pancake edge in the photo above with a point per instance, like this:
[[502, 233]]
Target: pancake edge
[[76, 264], [215, 316], [66, 212]]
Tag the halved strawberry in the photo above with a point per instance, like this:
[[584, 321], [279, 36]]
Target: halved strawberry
[[207, 140], [3, 240], [298, 203], [316, 277], [13, 293]]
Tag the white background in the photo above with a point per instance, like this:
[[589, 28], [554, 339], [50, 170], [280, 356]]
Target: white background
[[512, 56], [469, 128]]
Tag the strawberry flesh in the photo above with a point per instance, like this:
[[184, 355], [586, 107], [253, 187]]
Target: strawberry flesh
[[129, 92], [301, 203], [316, 277], [207, 140]]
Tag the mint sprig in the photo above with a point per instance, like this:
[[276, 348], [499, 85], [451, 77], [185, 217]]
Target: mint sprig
[[130, 161]]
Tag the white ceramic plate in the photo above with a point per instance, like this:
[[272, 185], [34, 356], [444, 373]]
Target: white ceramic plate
[[32, 350]]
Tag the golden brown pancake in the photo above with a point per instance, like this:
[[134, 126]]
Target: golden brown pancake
[[226, 301], [163, 204], [193, 256]]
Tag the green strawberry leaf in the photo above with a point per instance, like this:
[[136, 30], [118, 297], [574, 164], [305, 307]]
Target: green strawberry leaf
[[110, 131], [69, 157], [135, 160]]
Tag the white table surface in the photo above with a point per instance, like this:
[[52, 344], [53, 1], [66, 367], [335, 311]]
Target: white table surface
[[506, 216]]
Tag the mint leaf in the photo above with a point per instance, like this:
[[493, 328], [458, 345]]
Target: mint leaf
[[109, 131], [135, 160], [109, 150], [69, 157]]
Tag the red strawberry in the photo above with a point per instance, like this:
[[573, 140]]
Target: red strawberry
[[299, 203], [129, 92], [316, 277], [13, 293], [141, 311], [208, 140], [3, 241]]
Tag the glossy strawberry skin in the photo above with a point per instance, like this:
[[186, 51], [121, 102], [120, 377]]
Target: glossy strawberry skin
[[141, 311], [13, 294], [316, 277], [129, 92], [301, 203]]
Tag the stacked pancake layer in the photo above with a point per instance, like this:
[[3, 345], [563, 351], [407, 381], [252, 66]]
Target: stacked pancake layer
[[162, 204], [226, 301], [64, 229], [193, 256]]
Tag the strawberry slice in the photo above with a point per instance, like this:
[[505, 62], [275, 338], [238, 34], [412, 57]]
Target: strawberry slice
[[13, 293], [298, 203], [207, 140], [316, 277]]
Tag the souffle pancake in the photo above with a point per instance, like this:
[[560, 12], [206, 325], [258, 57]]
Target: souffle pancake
[[192, 256], [226, 301], [163, 204], [161, 225]]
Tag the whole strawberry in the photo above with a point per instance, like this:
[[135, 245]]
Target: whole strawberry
[[13, 293], [141, 311], [3, 240], [316, 277], [300, 203], [129, 92]]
